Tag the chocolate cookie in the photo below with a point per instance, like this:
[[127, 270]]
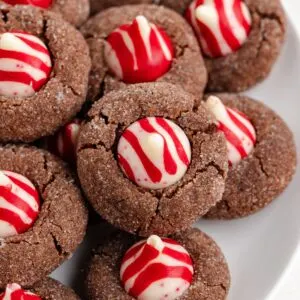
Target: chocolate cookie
[[61, 96], [49, 288], [211, 278], [249, 64], [187, 68], [126, 204], [73, 11], [258, 179], [46, 289], [60, 227]]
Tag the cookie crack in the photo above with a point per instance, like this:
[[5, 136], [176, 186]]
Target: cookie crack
[[58, 246], [5, 14]]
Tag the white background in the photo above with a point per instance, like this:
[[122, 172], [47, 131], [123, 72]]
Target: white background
[[289, 287]]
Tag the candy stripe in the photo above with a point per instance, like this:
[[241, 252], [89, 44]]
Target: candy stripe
[[21, 77], [222, 26], [156, 272], [156, 150], [126, 167], [19, 202], [13, 219], [170, 164], [149, 254], [133, 251], [64, 142], [151, 262], [39, 3], [15, 292], [237, 128], [139, 52], [241, 125], [24, 61], [178, 145], [152, 171], [177, 255], [33, 61], [23, 185], [240, 15]]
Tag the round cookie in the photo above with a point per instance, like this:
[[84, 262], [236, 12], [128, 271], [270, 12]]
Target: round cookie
[[58, 101], [187, 69], [74, 11], [250, 64], [211, 279], [49, 288], [258, 179], [61, 224], [119, 200]]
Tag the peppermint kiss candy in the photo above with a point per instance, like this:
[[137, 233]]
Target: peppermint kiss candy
[[64, 142], [154, 152], [15, 292], [139, 52], [39, 3], [238, 130], [19, 204], [25, 64], [222, 26], [156, 269]]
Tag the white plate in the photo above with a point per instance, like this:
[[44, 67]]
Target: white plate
[[259, 248]]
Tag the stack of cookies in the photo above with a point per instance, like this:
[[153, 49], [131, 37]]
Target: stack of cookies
[[138, 99]]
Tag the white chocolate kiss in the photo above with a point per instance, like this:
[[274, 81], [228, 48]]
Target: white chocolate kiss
[[244, 141], [153, 145]]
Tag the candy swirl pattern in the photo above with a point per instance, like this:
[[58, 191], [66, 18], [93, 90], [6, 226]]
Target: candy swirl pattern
[[237, 128], [154, 152], [139, 52], [19, 204], [25, 64], [222, 26], [64, 142], [156, 269], [15, 292]]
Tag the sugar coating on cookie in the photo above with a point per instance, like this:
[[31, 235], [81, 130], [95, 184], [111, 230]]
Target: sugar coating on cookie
[[156, 269], [139, 52], [222, 26], [25, 64], [38, 3], [238, 130], [19, 204], [14, 291], [154, 152], [64, 142]]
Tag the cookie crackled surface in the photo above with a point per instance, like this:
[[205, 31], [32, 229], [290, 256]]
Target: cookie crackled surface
[[204, 264], [123, 202], [28, 257], [186, 68], [27, 117], [258, 179], [73, 11]]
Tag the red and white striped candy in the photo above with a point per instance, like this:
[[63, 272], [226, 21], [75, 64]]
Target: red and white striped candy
[[64, 142], [25, 64], [39, 3], [139, 52], [15, 292], [19, 204], [156, 269], [237, 128], [154, 152], [222, 26]]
